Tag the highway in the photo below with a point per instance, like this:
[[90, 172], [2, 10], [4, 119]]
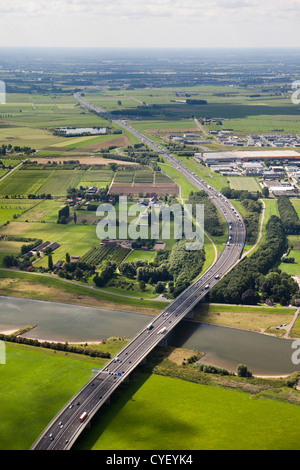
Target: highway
[[67, 425]]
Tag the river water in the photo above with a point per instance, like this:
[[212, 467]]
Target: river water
[[223, 347]]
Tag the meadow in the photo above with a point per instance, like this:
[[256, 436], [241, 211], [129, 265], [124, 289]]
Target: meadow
[[163, 413], [32, 401], [246, 183], [13, 208], [296, 204], [292, 268], [24, 182], [142, 255], [256, 318], [193, 416], [37, 179], [184, 186]]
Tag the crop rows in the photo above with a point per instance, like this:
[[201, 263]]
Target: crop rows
[[161, 178], [124, 177], [119, 254], [96, 255], [144, 177]]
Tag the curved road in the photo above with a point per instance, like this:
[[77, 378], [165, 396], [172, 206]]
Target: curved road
[[64, 429]]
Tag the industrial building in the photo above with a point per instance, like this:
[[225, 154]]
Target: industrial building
[[240, 157]]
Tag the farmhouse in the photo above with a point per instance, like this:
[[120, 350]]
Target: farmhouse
[[45, 246], [92, 190], [40, 248], [53, 246]]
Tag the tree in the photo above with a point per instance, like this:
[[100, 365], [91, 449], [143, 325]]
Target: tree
[[142, 285], [113, 166], [250, 297], [8, 261], [242, 371], [50, 262], [159, 288], [265, 191], [127, 269], [78, 273], [63, 214], [75, 217], [68, 258]]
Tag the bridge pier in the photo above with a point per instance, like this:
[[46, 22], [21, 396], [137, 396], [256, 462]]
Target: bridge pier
[[190, 315], [88, 424], [163, 343], [126, 380]]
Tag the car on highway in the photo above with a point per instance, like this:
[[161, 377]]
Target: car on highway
[[162, 331]]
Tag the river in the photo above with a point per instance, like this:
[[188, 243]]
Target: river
[[223, 347]]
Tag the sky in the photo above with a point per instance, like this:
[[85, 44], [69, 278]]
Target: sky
[[150, 23]]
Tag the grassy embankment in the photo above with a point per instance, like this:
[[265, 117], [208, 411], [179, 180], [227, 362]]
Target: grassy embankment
[[198, 414]]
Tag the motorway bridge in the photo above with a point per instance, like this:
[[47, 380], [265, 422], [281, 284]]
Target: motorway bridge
[[67, 425]]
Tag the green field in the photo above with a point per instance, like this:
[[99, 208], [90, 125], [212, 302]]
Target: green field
[[9, 248], [184, 185], [79, 142], [212, 179], [52, 181], [60, 181], [192, 417], [296, 204], [258, 318], [295, 333], [24, 182], [270, 209], [33, 118], [163, 413], [32, 401], [13, 208], [292, 268], [141, 254], [246, 183]]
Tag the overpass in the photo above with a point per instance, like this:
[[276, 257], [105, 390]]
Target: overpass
[[67, 425]]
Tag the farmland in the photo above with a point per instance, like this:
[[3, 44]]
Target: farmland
[[13, 208], [53, 181], [246, 183], [69, 375], [23, 182], [108, 253], [245, 423], [56, 179], [144, 181], [141, 254], [146, 189], [188, 418]]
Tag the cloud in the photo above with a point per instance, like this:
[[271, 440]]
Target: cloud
[[136, 9], [150, 23]]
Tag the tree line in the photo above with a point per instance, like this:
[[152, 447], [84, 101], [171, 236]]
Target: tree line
[[288, 215], [212, 220], [252, 280], [56, 346]]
